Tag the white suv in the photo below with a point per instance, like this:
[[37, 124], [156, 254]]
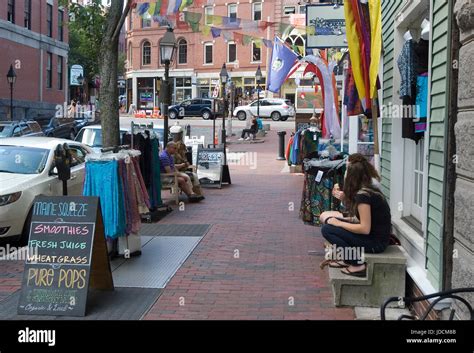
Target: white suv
[[275, 108], [26, 170]]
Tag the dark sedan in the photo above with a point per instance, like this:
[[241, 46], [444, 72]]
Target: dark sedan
[[58, 127]]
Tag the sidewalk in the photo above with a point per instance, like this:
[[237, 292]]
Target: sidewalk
[[254, 262]]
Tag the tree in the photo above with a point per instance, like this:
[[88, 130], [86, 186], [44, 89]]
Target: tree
[[86, 31], [109, 104]]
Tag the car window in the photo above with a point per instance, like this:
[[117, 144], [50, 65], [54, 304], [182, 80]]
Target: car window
[[5, 130], [25, 129], [78, 155], [254, 104], [207, 102], [186, 103], [54, 122], [22, 160], [90, 137], [16, 131], [196, 101], [34, 126]]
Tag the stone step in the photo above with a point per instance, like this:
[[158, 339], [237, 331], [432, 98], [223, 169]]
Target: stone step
[[385, 278]]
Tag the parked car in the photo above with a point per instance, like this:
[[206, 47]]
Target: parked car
[[20, 128], [192, 107], [27, 170], [275, 108], [85, 119], [58, 127], [92, 136]]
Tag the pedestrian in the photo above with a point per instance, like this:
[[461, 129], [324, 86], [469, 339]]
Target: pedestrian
[[252, 131], [368, 227]]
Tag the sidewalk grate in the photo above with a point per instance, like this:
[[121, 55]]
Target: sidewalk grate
[[161, 258], [172, 230], [120, 304]]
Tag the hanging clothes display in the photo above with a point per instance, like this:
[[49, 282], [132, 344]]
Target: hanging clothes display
[[116, 179], [413, 67], [351, 96], [304, 144], [320, 178], [149, 162]]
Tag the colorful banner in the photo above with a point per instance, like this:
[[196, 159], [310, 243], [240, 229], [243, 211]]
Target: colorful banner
[[283, 60]]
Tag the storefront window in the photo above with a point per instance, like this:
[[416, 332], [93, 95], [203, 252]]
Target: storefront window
[[183, 89], [145, 93]]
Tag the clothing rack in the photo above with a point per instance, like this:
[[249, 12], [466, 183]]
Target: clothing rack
[[115, 149], [139, 128]]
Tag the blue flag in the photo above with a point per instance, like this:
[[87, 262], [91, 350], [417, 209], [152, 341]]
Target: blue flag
[[283, 59]]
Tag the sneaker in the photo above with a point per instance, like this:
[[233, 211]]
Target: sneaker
[[247, 139], [241, 139]]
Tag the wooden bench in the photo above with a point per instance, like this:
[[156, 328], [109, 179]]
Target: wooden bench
[[173, 186]]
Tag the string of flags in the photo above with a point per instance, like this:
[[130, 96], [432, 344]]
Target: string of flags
[[175, 13]]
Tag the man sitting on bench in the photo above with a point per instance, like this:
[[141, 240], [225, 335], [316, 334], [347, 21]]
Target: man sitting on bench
[[167, 166]]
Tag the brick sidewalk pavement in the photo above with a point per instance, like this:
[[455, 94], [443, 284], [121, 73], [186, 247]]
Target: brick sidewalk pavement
[[254, 262]]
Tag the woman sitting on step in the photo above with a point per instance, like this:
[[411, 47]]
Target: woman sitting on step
[[367, 229]]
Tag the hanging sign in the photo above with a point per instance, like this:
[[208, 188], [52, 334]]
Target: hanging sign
[[76, 71], [209, 166], [326, 26], [67, 253]]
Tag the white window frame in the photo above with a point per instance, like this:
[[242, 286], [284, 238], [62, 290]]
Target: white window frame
[[209, 44], [289, 7], [232, 5], [143, 52], [251, 54], [253, 10], [207, 9], [228, 52]]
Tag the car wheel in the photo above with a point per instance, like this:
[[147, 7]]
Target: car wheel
[[206, 115], [284, 118], [276, 116], [242, 115], [25, 234], [172, 114]]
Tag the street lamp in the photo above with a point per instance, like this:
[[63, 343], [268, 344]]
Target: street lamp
[[11, 77], [258, 76], [167, 49], [224, 76]]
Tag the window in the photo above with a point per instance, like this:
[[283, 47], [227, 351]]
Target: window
[[231, 52], [256, 53], [146, 21], [130, 54], [60, 73], [303, 9], [182, 52], [60, 25], [257, 11], [289, 10], [146, 53], [208, 11], [49, 19], [208, 53], [232, 12], [11, 11], [27, 22], [49, 71]]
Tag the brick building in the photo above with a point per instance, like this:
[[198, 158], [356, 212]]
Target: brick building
[[199, 58], [34, 38]]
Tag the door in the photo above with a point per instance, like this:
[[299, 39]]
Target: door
[[253, 107], [194, 108]]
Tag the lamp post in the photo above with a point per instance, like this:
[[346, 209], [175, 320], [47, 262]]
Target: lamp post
[[258, 76], [11, 77], [224, 76], [80, 80], [167, 49]]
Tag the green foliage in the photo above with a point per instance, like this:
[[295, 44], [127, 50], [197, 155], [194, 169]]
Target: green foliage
[[86, 30]]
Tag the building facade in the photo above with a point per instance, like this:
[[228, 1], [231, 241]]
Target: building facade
[[34, 39], [199, 58], [430, 207]]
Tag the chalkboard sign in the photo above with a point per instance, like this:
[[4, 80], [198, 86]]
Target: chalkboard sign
[[209, 166], [66, 253]]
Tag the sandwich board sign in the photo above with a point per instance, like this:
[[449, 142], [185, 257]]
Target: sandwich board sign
[[67, 254]]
